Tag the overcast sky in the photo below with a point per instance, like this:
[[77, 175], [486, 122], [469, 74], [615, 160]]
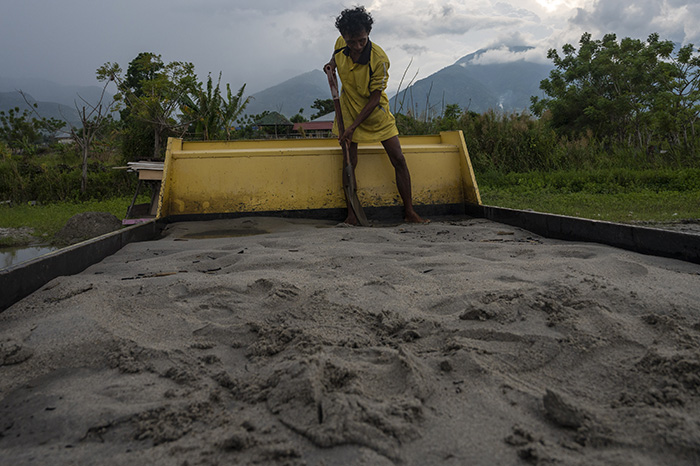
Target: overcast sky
[[264, 42]]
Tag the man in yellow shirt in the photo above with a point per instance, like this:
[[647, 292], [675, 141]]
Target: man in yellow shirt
[[363, 68]]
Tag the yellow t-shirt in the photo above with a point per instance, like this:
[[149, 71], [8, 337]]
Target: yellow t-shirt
[[370, 73]]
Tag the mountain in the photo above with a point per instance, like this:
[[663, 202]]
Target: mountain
[[471, 82], [450, 85], [53, 100], [292, 95], [14, 99], [48, 91], [476, 86]]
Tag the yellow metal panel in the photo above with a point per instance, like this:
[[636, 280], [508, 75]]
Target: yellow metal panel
[[301, 174], [249, 183], [471, 190], [174, 146]]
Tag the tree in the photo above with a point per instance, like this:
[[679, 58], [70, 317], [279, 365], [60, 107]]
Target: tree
[[137, 137], [679, 106], [250, 129], [22, 131], [18, 130], [630, 92], [299, 117], [212, 115], [204, 110], [232, 108], [324, 107], [92, 119], [450, 118], [153, 92]]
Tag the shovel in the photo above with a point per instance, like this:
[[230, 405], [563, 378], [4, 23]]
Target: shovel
[[349, 183]]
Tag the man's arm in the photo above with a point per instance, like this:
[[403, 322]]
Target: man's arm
[[372, 103]]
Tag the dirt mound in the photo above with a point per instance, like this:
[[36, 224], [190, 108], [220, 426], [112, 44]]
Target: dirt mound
[[86, 225]]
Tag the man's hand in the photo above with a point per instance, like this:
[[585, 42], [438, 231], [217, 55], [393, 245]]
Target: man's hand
[[346, 137], [330, 64]]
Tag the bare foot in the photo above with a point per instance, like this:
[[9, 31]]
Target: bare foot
[[413, 217], [351, 219]]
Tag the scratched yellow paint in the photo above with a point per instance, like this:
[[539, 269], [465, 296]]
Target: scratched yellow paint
[[305, 174]]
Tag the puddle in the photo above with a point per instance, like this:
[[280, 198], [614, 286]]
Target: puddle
[[240, 227], [229, 233], [13, 256]]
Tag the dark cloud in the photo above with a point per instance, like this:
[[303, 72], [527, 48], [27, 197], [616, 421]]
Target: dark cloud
[[506, 9], [447, 10], [425, 24], [413, 49]]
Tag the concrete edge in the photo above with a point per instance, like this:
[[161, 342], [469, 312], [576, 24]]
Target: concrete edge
[[645, 240], [21, 280]]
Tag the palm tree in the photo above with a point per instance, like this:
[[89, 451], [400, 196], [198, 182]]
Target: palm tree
[[211, 115], [232, 108]]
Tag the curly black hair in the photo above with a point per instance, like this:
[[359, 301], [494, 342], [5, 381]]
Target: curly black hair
[[354, 21]]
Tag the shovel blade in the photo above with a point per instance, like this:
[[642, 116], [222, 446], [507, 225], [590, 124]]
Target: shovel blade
[[350, 187]]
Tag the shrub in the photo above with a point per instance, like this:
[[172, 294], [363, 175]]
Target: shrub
[[49, 178]]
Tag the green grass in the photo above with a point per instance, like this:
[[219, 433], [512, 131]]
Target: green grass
[[47, 220], [629, 207], [617, 195]]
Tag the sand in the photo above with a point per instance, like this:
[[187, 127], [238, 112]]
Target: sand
[[270, 341]]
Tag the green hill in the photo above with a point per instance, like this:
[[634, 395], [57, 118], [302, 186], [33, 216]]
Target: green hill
[[291, 95], [9, 100]]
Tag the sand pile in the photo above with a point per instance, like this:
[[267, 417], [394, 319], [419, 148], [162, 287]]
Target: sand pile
[[458, 342], [86, 225]]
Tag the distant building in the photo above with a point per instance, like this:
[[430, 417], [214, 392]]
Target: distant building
[[275, 123], [319, 128]]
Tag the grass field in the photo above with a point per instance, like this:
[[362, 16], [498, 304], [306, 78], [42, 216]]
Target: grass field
[[47, 220], [618, 195], [630, 207]]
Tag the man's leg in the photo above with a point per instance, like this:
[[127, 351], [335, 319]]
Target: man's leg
[[403, 178]]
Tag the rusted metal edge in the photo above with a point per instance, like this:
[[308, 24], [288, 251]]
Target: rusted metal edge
[[21, 280], [645, 240]]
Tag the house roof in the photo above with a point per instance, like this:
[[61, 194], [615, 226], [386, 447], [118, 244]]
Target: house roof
[[314, 125], [327, 117], [324, 122], [274, 119]]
